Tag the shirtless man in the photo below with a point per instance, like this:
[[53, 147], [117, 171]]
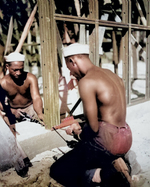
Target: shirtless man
[[21, 88], [106, 137]]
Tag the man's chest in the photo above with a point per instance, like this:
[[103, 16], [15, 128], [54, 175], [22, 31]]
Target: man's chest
[[14, 89]]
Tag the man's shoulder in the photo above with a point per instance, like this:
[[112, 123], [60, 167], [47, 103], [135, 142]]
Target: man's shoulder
[[5, 79], [4, 84], [87, 85], [30, 75], [1, 75], [90, 79]]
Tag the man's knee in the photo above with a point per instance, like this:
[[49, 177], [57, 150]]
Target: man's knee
[[2, 113]]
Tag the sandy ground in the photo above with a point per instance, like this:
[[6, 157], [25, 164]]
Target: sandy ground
[[138, 117]]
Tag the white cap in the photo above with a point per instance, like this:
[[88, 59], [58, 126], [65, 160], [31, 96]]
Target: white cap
[[15, 56], [75, 49]]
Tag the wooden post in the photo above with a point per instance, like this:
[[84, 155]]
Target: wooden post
[[124, 49], [94, 37], [9, 36], [49, 62], [26, 30], [115, 52], [148, 54], [128, 52]]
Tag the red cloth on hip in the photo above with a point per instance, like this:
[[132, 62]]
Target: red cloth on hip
[[117, 140]]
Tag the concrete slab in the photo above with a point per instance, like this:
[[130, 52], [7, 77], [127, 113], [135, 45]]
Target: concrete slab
[[35, 139], [10, 153]]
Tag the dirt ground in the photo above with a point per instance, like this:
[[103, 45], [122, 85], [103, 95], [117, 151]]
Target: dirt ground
[[38, 176]]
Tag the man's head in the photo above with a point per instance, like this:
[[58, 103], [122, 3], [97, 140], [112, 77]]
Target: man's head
[[15, 64], [75, 55]]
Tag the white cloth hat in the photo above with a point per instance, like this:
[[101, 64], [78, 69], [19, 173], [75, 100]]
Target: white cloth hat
[[75, 49], [15, 56]]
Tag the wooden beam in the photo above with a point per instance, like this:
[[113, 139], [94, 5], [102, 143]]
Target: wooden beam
[[49, 62], [9, 36], [148, 54], [94, 37], [124, 48], [88, 21], [26, 30], [128, 66], [115, 52], [144, 21], [139, 48]]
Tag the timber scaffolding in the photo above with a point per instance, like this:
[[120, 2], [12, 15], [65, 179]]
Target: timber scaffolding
[[117, 33], [120, 28]]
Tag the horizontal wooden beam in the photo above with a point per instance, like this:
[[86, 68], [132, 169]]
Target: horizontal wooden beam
[[27, 44], [83, 20], [88, 21]]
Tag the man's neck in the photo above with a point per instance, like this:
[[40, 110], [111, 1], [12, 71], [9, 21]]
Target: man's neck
[[20, 81]]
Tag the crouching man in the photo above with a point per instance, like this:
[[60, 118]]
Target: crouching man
[[22, 89], [98, 159]]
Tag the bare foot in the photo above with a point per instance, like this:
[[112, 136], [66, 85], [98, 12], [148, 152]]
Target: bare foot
[[96, 178]]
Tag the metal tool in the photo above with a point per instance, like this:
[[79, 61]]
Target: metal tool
[[71, 143]]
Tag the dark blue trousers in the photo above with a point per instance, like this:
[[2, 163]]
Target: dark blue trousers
[[76, 168]]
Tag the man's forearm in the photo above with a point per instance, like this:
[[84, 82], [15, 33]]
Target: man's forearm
[[38, 106], [87, 133]]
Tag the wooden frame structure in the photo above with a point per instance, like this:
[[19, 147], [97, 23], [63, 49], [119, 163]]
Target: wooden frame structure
[[48, 19], [49, 62]]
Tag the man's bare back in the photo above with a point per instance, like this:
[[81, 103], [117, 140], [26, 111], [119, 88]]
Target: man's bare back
[[110, 92], [103, 96]]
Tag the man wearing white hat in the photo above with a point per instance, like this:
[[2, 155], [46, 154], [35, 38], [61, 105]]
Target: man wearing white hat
[[21, 88], [106, 137]]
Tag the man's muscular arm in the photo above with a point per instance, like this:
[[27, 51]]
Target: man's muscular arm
[[6, 113], [36, 98], [88, 95]]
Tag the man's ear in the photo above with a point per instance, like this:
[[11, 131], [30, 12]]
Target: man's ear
[[72, 60], [7, 66]]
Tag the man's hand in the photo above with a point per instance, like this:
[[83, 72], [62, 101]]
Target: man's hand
[[74, 128], [41, 119]]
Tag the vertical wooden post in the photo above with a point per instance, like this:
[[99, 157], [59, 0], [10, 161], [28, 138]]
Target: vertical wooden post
[[49, 62], [97, 33], [128, 69], [135, 56], [125, 48], [115, 52], [94, 37], [148, 53]]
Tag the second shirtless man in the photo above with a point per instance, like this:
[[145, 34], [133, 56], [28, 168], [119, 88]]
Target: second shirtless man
[[22, 88]]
